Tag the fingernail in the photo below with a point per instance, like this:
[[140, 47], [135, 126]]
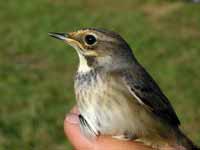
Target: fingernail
[[72, 118], [74, 110]]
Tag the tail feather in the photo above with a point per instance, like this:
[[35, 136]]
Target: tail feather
[[184, 141]]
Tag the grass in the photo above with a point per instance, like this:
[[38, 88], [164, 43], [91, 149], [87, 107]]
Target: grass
[[36, 72]]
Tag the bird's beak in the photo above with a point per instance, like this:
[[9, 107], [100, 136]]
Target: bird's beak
[[60, 36], [68, 38]]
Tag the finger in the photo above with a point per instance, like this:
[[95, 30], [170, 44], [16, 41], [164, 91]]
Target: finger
[[72, 130], [173, 148], [108, 143], [75, 110]]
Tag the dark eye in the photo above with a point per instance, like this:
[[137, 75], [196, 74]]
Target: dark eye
[[90, 39]]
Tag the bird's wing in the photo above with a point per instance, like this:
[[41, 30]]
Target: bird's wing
[[147, 92]]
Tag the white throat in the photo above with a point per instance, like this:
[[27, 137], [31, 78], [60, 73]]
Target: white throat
[[83, 65]]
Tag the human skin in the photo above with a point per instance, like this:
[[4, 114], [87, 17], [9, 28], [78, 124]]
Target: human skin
[[79, 142]]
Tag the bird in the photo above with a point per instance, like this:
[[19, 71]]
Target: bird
[[116, 96]]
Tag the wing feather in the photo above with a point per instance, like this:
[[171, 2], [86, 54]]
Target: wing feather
[[148, 93]]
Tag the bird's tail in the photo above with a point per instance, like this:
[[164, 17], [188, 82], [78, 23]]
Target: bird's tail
[[184, 141]]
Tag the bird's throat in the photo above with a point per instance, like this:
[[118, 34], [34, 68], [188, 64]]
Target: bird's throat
[[84, 66]]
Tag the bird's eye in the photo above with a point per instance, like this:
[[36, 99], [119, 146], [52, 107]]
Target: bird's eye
[[90, 39]]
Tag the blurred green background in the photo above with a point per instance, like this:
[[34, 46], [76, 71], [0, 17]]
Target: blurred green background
[[36, 71]]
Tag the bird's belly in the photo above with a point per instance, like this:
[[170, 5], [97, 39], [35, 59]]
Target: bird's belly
[[110, 109]]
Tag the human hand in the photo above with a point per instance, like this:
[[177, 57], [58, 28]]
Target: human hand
[[79, 142]]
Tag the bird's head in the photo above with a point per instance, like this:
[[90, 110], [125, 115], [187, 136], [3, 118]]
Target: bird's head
[[98, 48]]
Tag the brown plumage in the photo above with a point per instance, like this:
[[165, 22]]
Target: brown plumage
[[116, 96]]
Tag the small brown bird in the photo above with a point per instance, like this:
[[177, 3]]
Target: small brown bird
[[116, 96]]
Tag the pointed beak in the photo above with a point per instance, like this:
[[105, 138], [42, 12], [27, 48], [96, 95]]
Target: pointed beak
[[60, 36], [67, 38]]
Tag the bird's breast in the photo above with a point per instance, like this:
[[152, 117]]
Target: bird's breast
[[99, 90], [103, 100], [108, 106]]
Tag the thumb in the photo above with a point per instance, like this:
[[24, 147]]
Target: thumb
[[72, 131]]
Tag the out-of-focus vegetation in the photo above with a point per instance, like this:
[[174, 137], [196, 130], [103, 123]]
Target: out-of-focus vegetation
[[36, 71]]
